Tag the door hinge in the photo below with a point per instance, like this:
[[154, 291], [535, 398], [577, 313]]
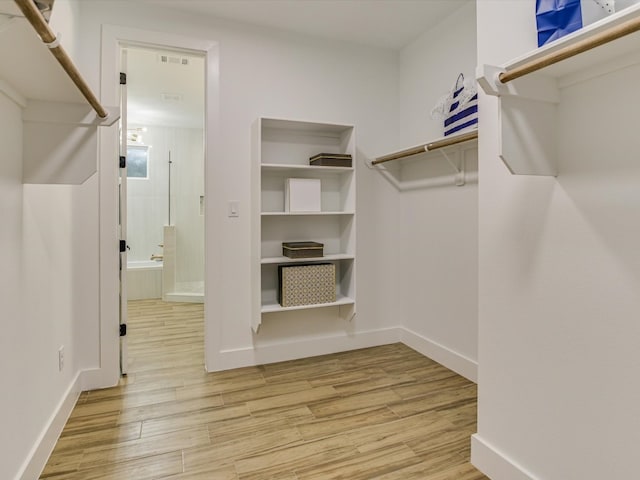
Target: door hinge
[[123, 78], [123, 246], [123, 329], [123, 161]]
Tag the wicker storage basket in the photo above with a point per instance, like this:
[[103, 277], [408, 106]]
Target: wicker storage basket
[[306, 284], [331, 160], [302, 249]]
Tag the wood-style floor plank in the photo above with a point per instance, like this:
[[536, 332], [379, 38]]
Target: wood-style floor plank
[[362, 466], [343, 423], [222, 454], [384, 413]]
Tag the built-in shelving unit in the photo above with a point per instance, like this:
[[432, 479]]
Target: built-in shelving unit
[[530, 87], [281, 150], [303, 214], [60, 127]]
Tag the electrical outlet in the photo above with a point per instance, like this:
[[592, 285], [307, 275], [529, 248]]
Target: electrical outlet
[[61, 358]]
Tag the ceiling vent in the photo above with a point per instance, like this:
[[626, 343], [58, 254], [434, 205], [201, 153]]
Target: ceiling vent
[[171, 97], [173, 59]]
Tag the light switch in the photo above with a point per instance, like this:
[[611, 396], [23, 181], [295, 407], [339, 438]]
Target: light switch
[[234, 208]]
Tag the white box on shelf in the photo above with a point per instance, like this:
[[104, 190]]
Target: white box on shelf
[[302, 195]]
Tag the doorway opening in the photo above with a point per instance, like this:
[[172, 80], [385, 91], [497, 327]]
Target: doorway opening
[[162, 198]]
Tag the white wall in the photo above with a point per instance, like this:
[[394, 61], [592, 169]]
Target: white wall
[[13, 452], [37, 293], [269, 73], [438, 236], [64, 21], [187, 176], [559, 279], [86, 288], [46, 301]]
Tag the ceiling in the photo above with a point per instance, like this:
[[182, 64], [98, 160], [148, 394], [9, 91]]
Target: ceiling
[[377, 23], [169, 93], [172, 93]]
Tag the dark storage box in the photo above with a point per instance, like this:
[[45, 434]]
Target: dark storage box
[[331, 160], [302, 249], [306, 284]]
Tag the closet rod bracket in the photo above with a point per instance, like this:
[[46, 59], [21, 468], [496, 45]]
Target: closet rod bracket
[[539, 88], [459, 168]]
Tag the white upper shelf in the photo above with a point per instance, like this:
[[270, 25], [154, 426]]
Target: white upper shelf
[[293, 214], [27, 68], [282, 167], [60, 127], [606, 54], [328, 129], [325, 258], [275, 307]]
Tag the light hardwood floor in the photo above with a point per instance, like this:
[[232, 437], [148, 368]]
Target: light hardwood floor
[[384, 413]]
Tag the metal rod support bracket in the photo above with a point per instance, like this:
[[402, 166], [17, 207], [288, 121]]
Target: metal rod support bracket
[[458, 167]]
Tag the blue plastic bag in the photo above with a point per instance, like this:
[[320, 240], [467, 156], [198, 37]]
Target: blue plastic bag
[[556, 18]]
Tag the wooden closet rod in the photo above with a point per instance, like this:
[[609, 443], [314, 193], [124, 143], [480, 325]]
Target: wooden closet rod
[[445, 142], [31, 12], [606, 36]]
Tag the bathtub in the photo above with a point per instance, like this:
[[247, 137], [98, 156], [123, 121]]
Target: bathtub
[[144, 279], [144, 265]]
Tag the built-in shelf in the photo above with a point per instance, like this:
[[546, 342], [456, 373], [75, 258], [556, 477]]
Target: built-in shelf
[[275, 307], [276, 167], [529, 87], [300, 214], [325, 258], [28, 62], [594, 45], [60, 127], [281, 150]]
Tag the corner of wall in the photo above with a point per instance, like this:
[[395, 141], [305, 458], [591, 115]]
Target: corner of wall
[[446, 356]]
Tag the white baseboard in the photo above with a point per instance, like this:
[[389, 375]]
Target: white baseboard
[[183, 297], [495, 464], [280, 352], [449, 358], [37, 459]]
